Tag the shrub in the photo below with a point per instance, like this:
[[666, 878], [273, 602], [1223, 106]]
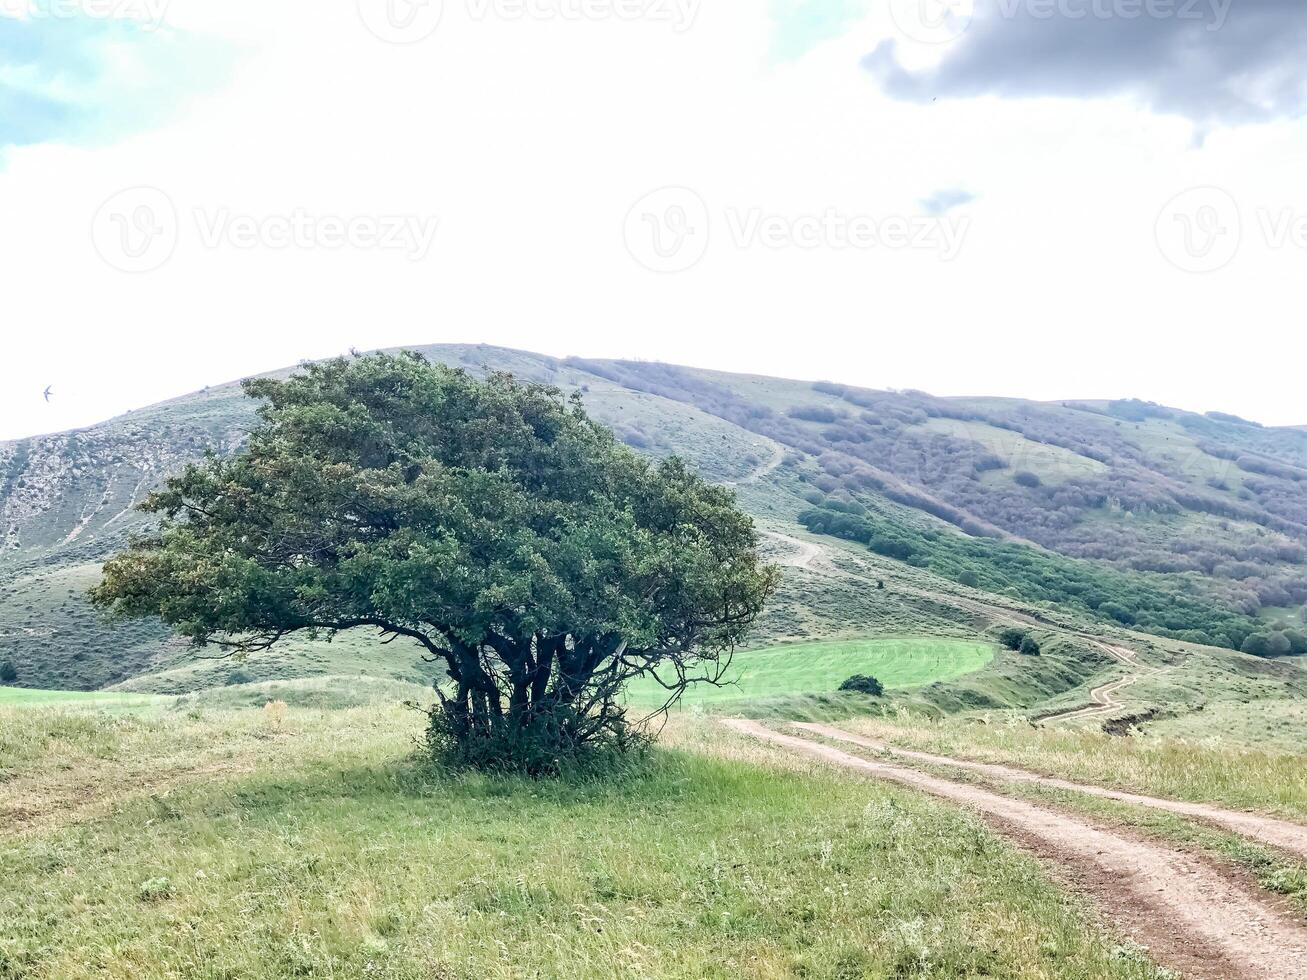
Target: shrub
[[1027, 479], [814, 413], [892, 547], [969, 578], [1029, 647], [8, 672], [1257, 645], [864, 684], [1297, 641], [1012, 637]]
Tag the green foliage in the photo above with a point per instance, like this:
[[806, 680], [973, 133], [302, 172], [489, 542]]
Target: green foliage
[[495, 524], [1275, 643], [1029, 647], [8, 672], [1297, 641], [1163, 605], [863, 684], [1012, 637]]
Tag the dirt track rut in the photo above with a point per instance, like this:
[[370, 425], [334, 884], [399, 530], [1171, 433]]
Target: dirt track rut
[[1195, 919], [1283, 834], [1104, 697]]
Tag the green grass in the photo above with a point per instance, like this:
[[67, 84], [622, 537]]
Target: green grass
[[1203, 771], [818, 668], [341, 855], [1277, 872], [24, 697]]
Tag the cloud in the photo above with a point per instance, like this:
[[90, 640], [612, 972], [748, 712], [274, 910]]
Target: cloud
[[944, 201], [1212, 61], [800, 25], [83, 79]]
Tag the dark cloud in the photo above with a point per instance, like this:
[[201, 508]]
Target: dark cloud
[[944, 201], [1213, 61]]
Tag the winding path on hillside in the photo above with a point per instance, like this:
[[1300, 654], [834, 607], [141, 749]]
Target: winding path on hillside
[[1196, 917], [1104, 698], [804, 553]]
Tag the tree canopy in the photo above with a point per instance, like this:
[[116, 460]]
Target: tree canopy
[[492, 522]]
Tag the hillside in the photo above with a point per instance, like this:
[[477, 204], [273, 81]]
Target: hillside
[[974, 512]]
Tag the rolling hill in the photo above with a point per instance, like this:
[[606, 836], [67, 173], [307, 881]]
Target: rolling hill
[[895, 513]]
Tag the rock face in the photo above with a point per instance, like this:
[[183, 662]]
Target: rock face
[[68, 500]]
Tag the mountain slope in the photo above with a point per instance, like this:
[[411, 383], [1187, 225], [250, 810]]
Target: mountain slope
[[975, 510]]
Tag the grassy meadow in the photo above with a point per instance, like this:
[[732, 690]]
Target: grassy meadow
[[214, 842], [1202, 770], [819, 668]]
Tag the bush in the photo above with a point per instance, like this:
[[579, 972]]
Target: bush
[[8, 672], [1012, 637], [1027, 479], [969, 578], [1275, 643], [1297, 641], [864, 684], [1029, 647], [890, 547]]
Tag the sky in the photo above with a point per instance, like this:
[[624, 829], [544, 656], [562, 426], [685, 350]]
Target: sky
[[1049, 199]]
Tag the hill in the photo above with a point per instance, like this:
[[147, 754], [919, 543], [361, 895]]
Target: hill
[[972, 512]]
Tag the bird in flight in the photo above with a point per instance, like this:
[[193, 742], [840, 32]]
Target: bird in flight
[[49, 390]]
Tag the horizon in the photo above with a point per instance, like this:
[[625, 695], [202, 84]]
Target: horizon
[[1068, 401]]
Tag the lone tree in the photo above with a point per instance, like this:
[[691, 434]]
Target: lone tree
[[490, 521]]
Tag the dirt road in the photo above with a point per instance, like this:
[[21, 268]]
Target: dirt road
[[804, 553], [1194, 917], [1283, 834], [1104, 697]]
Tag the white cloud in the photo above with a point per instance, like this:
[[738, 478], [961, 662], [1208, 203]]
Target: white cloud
[[529, 141]]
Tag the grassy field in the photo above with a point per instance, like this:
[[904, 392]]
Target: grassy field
[[25, 697], [1203, 770], [317, 845], [817, 668]]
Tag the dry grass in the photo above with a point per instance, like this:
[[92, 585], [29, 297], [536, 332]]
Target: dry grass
[[1202, 770]]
